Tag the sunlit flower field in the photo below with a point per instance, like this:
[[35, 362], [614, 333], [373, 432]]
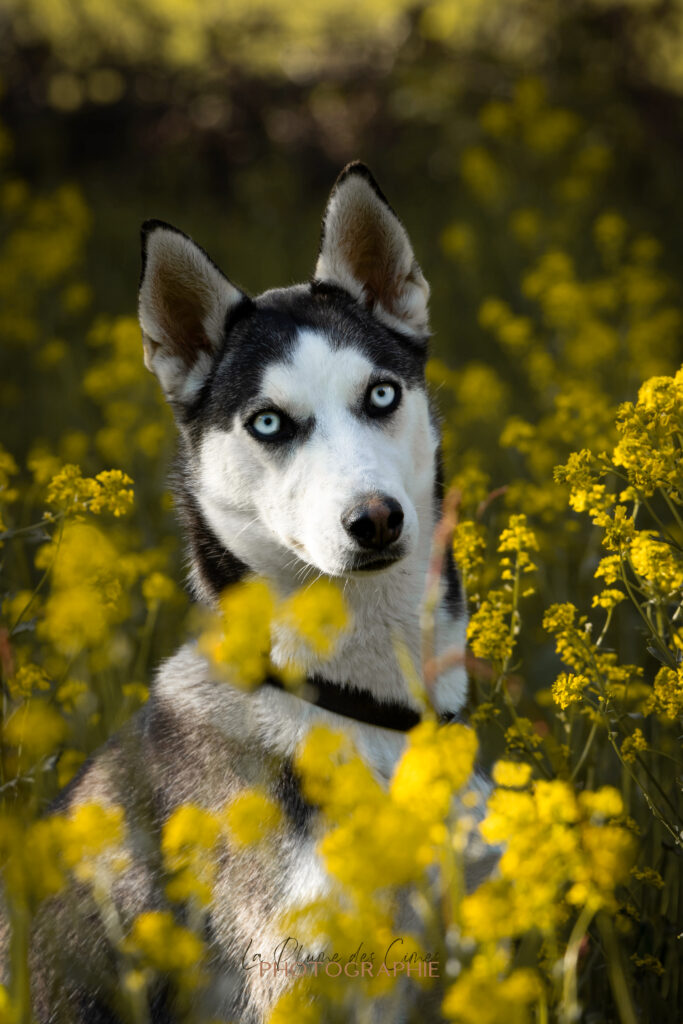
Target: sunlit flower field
[[563, 457]]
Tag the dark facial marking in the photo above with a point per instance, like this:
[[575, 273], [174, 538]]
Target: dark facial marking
[[266, 331]]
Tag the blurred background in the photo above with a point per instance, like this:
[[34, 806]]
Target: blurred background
[[532, 147]]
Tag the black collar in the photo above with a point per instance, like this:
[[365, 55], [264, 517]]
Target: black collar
[[358, 704]]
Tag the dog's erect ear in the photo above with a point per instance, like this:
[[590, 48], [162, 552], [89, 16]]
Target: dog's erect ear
[[365, 250], [183, 305]]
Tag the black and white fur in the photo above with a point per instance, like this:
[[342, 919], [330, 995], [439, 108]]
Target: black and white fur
[[304, 426]]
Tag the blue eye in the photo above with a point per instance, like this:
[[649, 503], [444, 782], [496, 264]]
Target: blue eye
[[382, 398], [267, 424], [271, 425]]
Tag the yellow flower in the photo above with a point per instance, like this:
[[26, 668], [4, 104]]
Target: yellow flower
[[8, 1014], [483, 994], [469, 548], [496, 118], [35, 729], [331, 770], [610, 232], [28, 680], [158, 942], [569, 688], [90, 583], [525, 225], [43, 465], [483, 175], [252, 816], [70, 490], [511, 774], [157, 588], [91, 831], [459, 241], [667, 694], [608, 598], [518, 540], [493, 313], [488, 630], [114, 493], [295, 1005], [317, 614], [42, 861], [188, 844], [436, 764], [70, 761], [71, 693], [659, 566], [238, 641], [8, 469], [649, 876], [632, 745]]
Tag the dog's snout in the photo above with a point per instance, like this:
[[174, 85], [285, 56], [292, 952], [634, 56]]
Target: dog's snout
[[374, 522]]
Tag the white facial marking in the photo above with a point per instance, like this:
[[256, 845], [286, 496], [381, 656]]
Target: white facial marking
[[297, 498]]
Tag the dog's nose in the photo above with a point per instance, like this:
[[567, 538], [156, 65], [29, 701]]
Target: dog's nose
[[375, 522]]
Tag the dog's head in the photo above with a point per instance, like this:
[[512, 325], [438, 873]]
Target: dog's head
[[306, 429]]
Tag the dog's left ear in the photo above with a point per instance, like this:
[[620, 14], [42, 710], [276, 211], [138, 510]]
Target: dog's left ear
[[183, 307], [365, 250]]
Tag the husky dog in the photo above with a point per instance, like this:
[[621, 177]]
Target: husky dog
[[306, 444]]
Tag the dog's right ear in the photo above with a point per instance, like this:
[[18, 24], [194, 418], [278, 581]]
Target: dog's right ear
[[183, 305]]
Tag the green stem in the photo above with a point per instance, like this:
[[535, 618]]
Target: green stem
[[672, 509], [615, 970], [41, 581], [570, 1010], [586, 749], [666, 653]]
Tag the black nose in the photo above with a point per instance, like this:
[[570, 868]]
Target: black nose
[[375, 522]]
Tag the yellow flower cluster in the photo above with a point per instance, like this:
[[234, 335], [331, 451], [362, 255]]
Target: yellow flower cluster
[[8, 469], [39, 858], [569, 688], [495, 624], [632, 745], [469, 547], [90, 584], [192, 838], [596, 672], [557, 846], [251, 816], [188, 841], [318, 615], [109, 491], [136, 420], [156, 942], [667, 693], [650, 431], [42, 251], [238, 640], [378, 839], [483, 994], [488, 631]]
